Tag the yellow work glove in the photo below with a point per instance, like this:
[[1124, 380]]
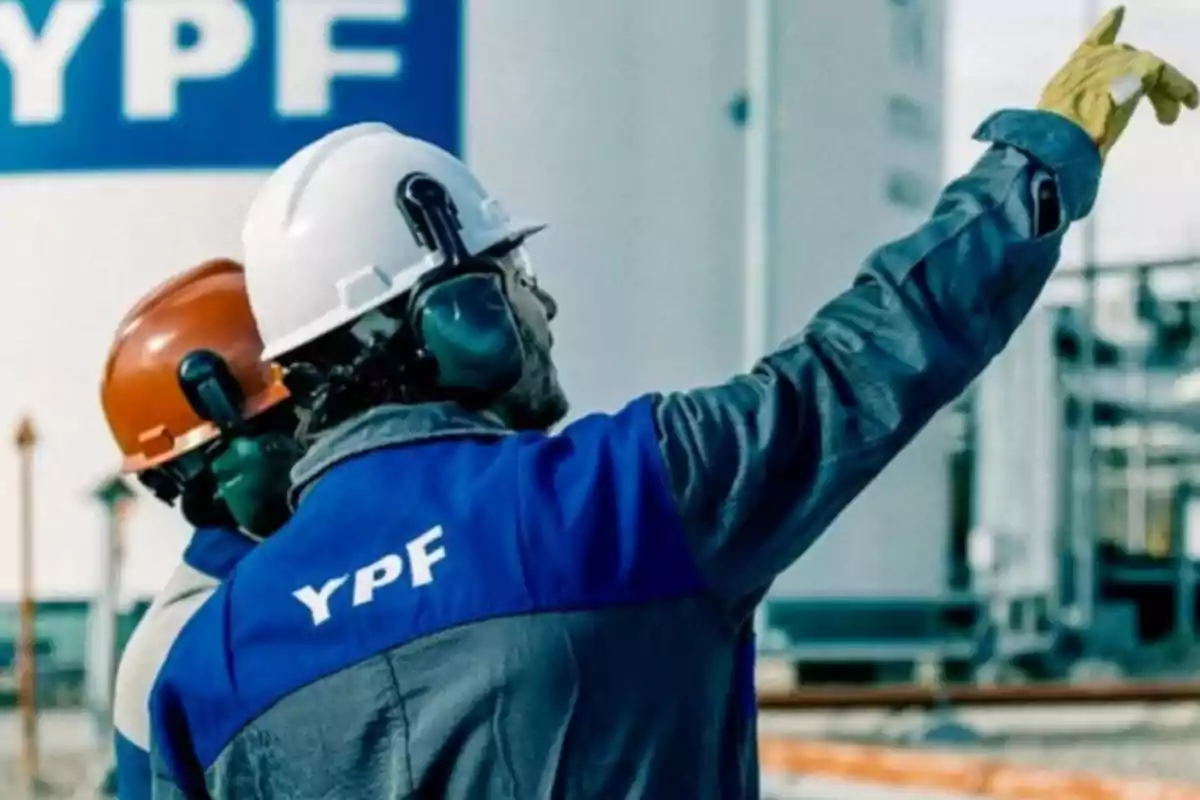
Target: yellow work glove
[[1102, 83]]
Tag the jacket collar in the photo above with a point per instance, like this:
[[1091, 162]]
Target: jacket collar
[[216, 551], [390, 426]]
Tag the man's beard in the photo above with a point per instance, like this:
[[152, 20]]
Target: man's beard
[[537, 402]]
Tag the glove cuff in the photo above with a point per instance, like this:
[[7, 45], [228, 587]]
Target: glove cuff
[[1056, 143]]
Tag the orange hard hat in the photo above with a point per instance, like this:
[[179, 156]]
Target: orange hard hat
[[204, 308]]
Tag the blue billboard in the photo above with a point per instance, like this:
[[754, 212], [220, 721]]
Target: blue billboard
[[218, 84]]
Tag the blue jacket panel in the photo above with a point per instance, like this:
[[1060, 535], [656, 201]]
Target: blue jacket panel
[[400, 544]]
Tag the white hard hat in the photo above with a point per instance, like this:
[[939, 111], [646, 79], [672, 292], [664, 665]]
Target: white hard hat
[[325, 241]]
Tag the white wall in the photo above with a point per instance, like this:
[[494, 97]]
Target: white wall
[[609, 120], [838, 70]]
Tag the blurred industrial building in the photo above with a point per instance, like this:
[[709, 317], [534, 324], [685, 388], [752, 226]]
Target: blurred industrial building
[[61, 647]]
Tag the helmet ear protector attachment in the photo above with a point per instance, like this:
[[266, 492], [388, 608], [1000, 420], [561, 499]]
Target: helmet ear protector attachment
[[458, 315], [247, 470], [214, 395]]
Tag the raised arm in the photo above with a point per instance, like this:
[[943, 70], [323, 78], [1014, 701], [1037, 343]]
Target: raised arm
[[761, 465]]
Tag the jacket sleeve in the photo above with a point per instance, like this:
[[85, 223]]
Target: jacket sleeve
[[133, 770], [135, 675], [175, 771], [164, 788], [762, 464], [136, 671]]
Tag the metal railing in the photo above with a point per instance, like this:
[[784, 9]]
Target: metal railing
[[936, 697]]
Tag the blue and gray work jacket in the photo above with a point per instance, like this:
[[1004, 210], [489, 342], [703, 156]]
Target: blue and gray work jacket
[[459, 611], [209, 556]]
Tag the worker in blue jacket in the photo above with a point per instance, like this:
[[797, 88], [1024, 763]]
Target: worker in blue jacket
[[465, 606], [206, 425]]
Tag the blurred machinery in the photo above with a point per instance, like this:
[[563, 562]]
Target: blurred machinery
[[1036, 588], [1050, 522], [61, 648], [1145, 448]]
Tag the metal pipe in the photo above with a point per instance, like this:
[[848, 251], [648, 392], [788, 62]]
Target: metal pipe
[[759, 157], [26, 441], [917, 696], [1185, 571], [105, 641], [1082, 545], [114, 497], [758, 209], [1138, 463], [1183, 263]]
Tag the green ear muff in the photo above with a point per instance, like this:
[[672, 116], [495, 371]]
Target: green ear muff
[[253, 476], [467, 326], [459, 312]]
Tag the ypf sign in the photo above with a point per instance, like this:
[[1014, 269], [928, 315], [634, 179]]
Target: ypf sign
[[217, 84]]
